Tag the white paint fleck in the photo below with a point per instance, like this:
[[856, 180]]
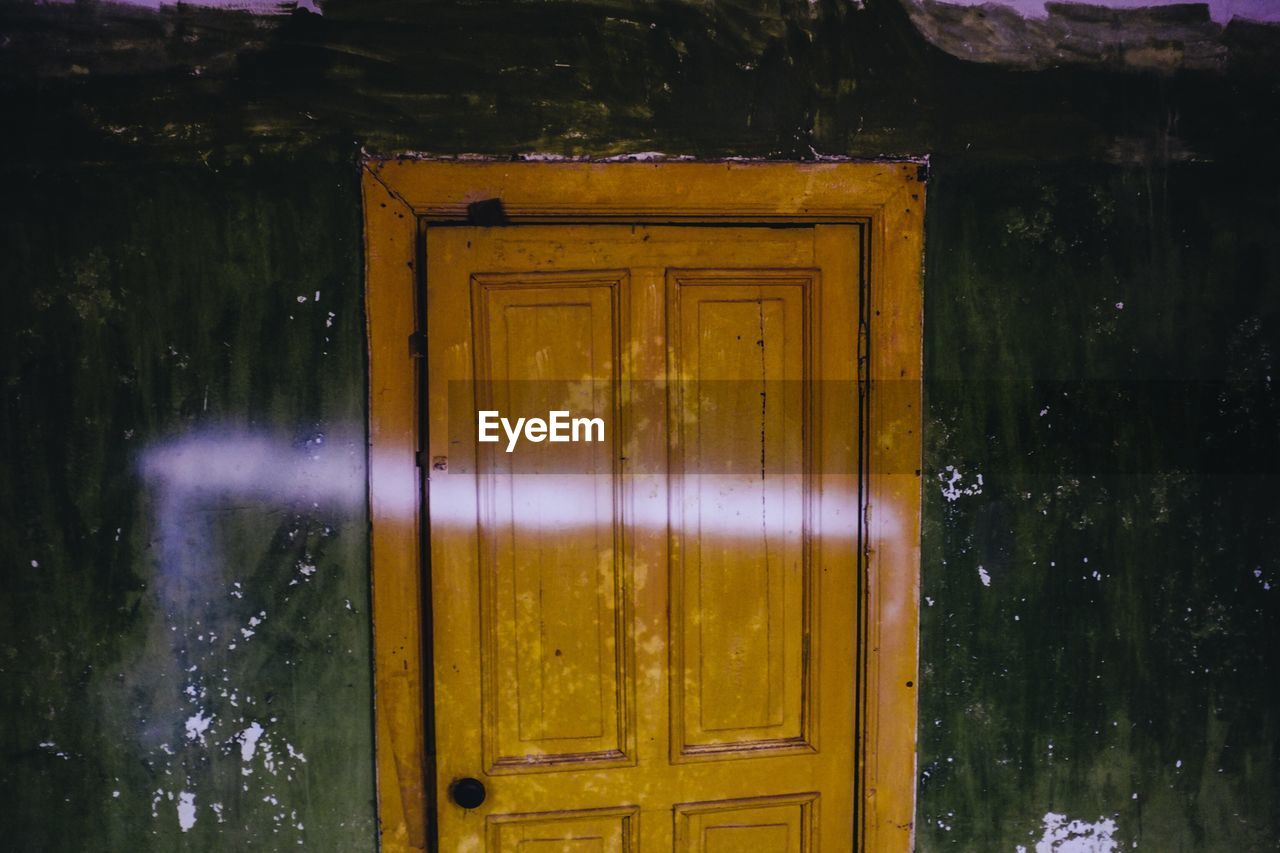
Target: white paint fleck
[[35, 564], [1119, 306], [983, 576], [953, 486], [254, 622], [155, 800], [1062, 835], [197, 725], [186, 810], [1178, 763], [302, 297], [249, 740], [643, 157]]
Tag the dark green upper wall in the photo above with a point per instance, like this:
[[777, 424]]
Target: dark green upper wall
[[785, 79], [183, 415]]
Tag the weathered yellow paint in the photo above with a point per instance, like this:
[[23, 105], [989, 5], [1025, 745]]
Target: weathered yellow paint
[[655, 658], [393, 507], [617, 653], [666, 192]]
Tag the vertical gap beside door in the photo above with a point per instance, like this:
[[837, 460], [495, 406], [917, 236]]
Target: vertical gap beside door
[[421, 367]]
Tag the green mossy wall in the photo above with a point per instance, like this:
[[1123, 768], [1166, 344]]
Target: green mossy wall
[[182, 505], [172, 561], [1100, 347]]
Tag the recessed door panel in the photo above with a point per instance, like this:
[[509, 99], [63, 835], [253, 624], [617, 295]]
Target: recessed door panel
[[597, 831], [551, 576], [740, 569], [780, 824]]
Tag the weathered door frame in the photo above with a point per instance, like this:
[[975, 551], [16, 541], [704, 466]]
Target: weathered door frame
[[402, 197]]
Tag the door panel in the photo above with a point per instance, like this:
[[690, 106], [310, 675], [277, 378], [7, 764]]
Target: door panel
[[761, 825], [645, 643], [599, 831], [739, 569], [554, 640]]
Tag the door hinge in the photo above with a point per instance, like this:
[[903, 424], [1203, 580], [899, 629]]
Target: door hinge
[[417, 345]]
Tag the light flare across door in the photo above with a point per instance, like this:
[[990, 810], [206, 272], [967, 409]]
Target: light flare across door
[[648, 643]]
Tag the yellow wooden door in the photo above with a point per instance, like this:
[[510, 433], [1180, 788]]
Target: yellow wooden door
[[645, 643]]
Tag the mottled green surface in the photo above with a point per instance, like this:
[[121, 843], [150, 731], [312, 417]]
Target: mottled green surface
[[1103, 319], [1101, 347], [155, 309]]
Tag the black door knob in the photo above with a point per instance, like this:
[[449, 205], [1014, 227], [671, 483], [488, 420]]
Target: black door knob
[[468, 793]]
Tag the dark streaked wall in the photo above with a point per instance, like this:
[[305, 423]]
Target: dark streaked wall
[[185, 605], [184, 415]]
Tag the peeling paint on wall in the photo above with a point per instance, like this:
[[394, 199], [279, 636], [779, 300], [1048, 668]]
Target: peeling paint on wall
[[1064, 835], [1097, 231]]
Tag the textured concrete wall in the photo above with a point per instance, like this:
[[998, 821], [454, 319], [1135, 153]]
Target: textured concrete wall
[[184, 632]]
